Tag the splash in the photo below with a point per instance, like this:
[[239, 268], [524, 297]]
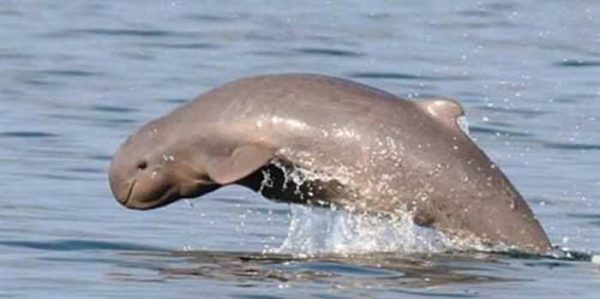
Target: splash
[[463, 124], [315, 231], [352, 230]]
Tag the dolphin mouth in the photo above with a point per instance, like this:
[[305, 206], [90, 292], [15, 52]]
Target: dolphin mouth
[[129, 192]]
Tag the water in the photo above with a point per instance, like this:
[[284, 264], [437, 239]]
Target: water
[[77, 78]]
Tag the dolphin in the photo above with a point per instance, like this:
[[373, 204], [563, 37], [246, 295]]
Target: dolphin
[[320, 140]]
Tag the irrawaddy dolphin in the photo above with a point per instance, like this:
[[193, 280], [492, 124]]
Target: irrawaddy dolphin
[[314, 139]]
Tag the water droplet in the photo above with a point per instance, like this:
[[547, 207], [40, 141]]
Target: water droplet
[[190, 203]]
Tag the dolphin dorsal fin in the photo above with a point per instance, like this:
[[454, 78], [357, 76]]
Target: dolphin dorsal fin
[[445, 110]]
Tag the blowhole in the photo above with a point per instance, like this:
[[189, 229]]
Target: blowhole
[[142, 165]]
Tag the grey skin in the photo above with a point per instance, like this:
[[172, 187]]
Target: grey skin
[[323, 140]]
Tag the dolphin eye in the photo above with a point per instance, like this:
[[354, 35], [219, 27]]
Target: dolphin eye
[[142, 165]]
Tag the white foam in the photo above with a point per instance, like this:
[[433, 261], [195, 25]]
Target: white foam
[[596, 259], [316, 230]]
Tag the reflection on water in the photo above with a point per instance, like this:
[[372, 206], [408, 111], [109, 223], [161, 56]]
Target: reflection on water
[[416, 274], [412, 274], [378, 270]]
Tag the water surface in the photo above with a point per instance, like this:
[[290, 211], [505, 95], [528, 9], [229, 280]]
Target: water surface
[[76, 78]]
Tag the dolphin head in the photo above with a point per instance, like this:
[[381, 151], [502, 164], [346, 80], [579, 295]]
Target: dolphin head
[[152, 169]]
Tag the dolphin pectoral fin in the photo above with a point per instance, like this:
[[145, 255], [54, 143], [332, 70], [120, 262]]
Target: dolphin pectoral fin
[[445, 110], [243, 161]]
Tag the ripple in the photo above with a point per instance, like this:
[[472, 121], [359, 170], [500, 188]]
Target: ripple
[[561, 254], [252, 296], [473, 25], [373, 270], [503, 6], [584, 215], [566, 100], [117, 109], [71, 73], [343, 269], [328, 52], [192, 46], [125, 32], [16, 56], [518, 111], [100, 157], [27, 134], [595, 223], [378, 15], [7, 11], [591, 218], [110, 122], [475, 13], [578, 63], [404, 76], [207, 18], [38, 82], [85, 170], [497, 132], [382, 75], [572, 146], [538, 200], [66, 178], [101, 121], [77, 245], [174, 100]]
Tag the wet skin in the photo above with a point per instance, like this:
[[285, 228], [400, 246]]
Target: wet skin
[[342, 142]]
